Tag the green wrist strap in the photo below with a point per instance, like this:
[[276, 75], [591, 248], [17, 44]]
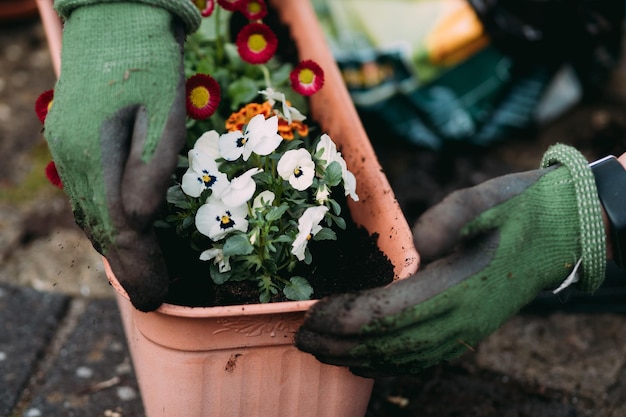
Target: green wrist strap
[[592, 234], [184, 9]]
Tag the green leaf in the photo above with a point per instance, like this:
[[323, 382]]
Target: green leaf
[[276, 213], [333, 174], [340, 222], [177, 197], [242, 90], [237, 245], [335, 207], [162, 224], [188, 221], [219, 277], [325, 234], [264, 297], [298, 289]]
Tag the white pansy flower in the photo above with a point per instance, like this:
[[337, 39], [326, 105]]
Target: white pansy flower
[[208, 144], [264, 199], [297, 167], [202, 174], [308, 226], [260, 137], [290, 113], [329, 155], [240, 189], [216, 220], [218, 258]]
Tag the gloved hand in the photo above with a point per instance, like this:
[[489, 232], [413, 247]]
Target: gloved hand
[[117, 124], [496, 245]]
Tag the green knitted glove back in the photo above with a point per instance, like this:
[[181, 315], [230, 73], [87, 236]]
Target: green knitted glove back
[[510, 238], [115, 129]]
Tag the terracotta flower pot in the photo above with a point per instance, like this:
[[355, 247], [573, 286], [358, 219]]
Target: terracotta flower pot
[[241, 360]]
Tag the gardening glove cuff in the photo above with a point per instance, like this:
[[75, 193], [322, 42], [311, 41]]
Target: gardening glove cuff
[[184, 9], [592, 235]]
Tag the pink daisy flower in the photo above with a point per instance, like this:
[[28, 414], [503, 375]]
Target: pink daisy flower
[[307, 78], [203, 96]]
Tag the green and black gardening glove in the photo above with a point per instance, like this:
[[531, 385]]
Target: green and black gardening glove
[[117, 125], [495, 245]]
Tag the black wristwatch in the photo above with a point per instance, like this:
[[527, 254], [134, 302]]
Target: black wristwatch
[[610, 178]]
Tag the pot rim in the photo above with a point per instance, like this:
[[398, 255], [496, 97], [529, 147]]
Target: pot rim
[[215, 311]]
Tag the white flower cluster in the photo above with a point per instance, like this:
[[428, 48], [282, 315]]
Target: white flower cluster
[[232, 202]]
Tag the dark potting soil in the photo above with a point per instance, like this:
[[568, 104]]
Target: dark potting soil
[[352, 262]]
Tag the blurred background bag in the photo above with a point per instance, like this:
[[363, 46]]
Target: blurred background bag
[[474, 71]]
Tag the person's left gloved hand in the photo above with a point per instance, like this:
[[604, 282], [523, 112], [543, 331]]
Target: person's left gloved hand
[[496, 245], [116, 127]]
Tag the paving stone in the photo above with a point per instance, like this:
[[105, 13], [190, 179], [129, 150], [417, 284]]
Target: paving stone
[[582, 355], [92, 375], [28, 320], [63, 261]]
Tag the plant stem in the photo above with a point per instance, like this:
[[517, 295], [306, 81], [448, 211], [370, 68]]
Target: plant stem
[[219, 40], [266, 75]]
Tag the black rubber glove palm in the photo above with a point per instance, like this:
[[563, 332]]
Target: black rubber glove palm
[[115, 129], [496, 246]]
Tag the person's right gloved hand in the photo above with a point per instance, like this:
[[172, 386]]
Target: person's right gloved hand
[[494, 247], [117, 125]]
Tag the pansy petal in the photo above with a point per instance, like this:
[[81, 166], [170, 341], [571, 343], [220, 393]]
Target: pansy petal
[[309, 221], [241, 189], [208, 144], [231, 145]]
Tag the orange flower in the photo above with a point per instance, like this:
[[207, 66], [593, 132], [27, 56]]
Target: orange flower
[[206, 7], [256, 43], [307, 78], [203, 96], [236, 121], [43, 104], [287, 130], [254, 9]]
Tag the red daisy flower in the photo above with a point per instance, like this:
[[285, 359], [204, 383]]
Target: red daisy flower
[[230, 5], [203, 96], [256, 43], [254, 9], [206, 7], [307, 78], [43, 104], [53, 175]]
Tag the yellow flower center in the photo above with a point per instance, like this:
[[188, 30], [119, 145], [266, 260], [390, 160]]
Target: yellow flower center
[[306, 76], [254, 7], [200, 97], [50, 105], [257, 42], [225, 219]]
